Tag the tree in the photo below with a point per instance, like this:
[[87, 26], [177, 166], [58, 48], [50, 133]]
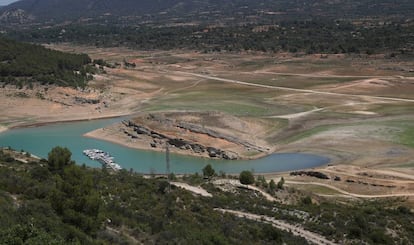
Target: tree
[[208, 171], [59, 157], [280, 183], [246, 177], [272, 185], [261, 181]]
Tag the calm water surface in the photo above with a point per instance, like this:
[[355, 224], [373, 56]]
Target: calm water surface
[[40, 140]]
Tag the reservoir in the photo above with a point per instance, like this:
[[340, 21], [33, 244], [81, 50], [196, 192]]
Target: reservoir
[[40, 140]]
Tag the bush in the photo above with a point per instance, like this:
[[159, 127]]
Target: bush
[[246, 178], [307, 200], [281, 183], [272, 185], [208, 171], [58, 158]]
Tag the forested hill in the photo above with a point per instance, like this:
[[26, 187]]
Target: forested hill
[[310, 26], [60, 10], [23, 63]]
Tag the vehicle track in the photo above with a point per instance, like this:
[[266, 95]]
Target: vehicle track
[[296, 89], [349, 193], [296, 230]]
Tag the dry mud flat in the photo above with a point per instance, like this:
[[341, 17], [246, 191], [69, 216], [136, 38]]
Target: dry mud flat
[[49, 104], [108, 95], [209, 134]]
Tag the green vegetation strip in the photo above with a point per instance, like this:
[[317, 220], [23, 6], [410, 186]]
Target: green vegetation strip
[[407, 136], [308, 133]]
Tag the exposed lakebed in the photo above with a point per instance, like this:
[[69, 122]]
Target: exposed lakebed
[[40, 140]]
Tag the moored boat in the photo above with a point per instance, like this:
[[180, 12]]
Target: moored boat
[[103, 157]]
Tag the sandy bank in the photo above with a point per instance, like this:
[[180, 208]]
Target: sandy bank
[[114, 134], [3, 128], [108, 134], [40, 123]]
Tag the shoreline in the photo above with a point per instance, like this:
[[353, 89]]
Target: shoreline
[[100, 135], [50, 122], [3, 129], [334, 159]]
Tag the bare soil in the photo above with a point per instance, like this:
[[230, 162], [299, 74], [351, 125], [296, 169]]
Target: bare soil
[[353, 109]]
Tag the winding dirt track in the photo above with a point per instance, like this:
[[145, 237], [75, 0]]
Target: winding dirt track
[[249, 187], [321, 75], [296, 230], [349, 194], [282, 225], [295, 89]]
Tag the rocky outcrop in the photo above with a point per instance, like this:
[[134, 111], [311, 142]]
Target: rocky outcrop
[[201, 130], [86, 101], [159, 140]]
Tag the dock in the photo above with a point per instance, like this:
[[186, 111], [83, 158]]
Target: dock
[[103, 157]]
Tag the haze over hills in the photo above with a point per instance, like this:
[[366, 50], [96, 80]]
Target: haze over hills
[[63, 10]]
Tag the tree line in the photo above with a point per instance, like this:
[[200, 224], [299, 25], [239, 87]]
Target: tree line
[[24, 63], [308, 36]]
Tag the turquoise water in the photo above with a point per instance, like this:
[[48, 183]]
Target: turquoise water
[[40, 140]]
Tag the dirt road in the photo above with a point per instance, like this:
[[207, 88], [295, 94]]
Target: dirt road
[[296, 89], [249, 187], [323, 75], [282, 225], [196, 190], [349, 193], [306, 113]]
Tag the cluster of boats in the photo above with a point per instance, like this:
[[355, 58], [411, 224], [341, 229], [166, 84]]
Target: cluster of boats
[[103, 157]]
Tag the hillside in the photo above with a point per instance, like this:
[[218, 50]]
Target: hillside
[[52, 10], [23, 63], [54, 201], [67, 204]]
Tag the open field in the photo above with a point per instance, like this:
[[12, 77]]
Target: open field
[[358, 110]]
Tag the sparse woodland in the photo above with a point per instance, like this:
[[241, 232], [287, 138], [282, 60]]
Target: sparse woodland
[[314, 36]]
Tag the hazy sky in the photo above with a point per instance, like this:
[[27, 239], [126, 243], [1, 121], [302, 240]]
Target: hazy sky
[[5, 2]]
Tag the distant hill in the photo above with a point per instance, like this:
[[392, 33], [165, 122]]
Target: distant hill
[[59, 9], [62, 10], [311, 26]]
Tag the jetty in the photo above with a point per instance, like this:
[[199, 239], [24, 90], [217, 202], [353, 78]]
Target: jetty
[[103, 157]]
